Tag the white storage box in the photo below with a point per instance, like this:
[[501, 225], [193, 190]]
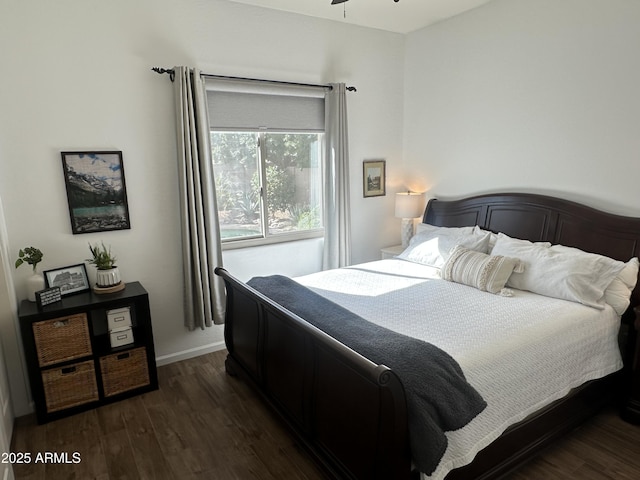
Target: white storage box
[[119, 318], [121, 336]]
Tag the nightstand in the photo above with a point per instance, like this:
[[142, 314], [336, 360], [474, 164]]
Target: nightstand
[[390, 252]]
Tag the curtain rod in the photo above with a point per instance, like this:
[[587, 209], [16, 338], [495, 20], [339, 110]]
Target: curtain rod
[[172, 76]]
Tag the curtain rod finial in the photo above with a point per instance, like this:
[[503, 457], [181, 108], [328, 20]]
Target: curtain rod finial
[[170, 71]]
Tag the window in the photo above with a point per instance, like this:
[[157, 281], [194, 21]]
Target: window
[[268, 184], [267, 148]]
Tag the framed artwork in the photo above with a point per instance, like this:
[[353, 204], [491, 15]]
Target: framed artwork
[[72, 279], [374, 178], [96, 191]]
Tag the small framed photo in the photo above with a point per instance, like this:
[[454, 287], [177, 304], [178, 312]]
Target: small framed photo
[[70, 280], [374, 178], [96, 191]]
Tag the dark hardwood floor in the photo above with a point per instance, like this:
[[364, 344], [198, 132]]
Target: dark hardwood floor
[[203, 424]]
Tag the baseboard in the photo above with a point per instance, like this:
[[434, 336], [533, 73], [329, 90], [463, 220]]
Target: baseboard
[[190, 353]]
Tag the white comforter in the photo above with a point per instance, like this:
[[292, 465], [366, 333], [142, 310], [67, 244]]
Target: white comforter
[[520, 353]]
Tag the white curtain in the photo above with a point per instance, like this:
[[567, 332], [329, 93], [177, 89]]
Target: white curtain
[[204, 296], [337, 220]]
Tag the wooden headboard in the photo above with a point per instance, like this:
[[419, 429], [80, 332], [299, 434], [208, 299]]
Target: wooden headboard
[[544, 218]]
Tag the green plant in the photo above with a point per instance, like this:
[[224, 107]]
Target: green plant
[[102, 257], [305, 217], [249, 205], [30, 255], [281, 188]]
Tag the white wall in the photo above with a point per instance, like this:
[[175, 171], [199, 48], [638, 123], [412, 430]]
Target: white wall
[[290, 258], [76, 76], [528, 95]]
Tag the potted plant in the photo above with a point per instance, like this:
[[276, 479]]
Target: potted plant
[[107, 275], [35, 283]]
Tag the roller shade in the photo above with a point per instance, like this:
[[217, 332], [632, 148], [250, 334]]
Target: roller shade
[[245, 105]]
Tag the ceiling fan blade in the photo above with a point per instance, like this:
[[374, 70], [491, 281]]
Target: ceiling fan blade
[[336, 2]]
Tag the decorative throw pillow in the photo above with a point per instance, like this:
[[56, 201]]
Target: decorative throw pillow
[[488, 273], [433, 247], [558, 271]]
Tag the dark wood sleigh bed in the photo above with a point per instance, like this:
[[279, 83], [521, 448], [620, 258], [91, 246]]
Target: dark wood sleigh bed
[[351, 414]]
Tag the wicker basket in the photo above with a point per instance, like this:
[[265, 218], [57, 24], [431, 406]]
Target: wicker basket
[[124, 371], [70, 386], [62, 339]]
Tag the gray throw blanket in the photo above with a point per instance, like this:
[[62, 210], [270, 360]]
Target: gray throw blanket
[[439, 399]]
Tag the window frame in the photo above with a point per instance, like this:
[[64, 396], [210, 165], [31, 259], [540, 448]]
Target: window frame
[[265, 237]]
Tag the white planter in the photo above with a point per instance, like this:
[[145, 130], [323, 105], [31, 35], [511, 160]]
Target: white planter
[[35, 283], [108, 278]]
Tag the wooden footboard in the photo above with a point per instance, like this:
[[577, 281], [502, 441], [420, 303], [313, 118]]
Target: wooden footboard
[[303, 374]]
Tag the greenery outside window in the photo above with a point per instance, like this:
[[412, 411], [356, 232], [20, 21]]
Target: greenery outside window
[[268, 185]]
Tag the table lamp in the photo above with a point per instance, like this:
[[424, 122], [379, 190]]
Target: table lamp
[[408, 206]]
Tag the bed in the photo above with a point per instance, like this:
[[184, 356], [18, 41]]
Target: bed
[[353, 414]]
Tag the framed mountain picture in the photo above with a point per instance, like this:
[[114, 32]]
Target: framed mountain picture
[[96, 191]]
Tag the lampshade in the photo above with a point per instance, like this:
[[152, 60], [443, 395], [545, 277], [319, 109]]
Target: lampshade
[[409, 204]]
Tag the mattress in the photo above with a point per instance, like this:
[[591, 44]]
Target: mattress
[[520, 353]]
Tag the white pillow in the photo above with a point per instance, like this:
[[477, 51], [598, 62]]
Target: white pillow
[[558, 271], [492, 236], [425, 227], [619, 291], [433, 246], [488, 273]]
